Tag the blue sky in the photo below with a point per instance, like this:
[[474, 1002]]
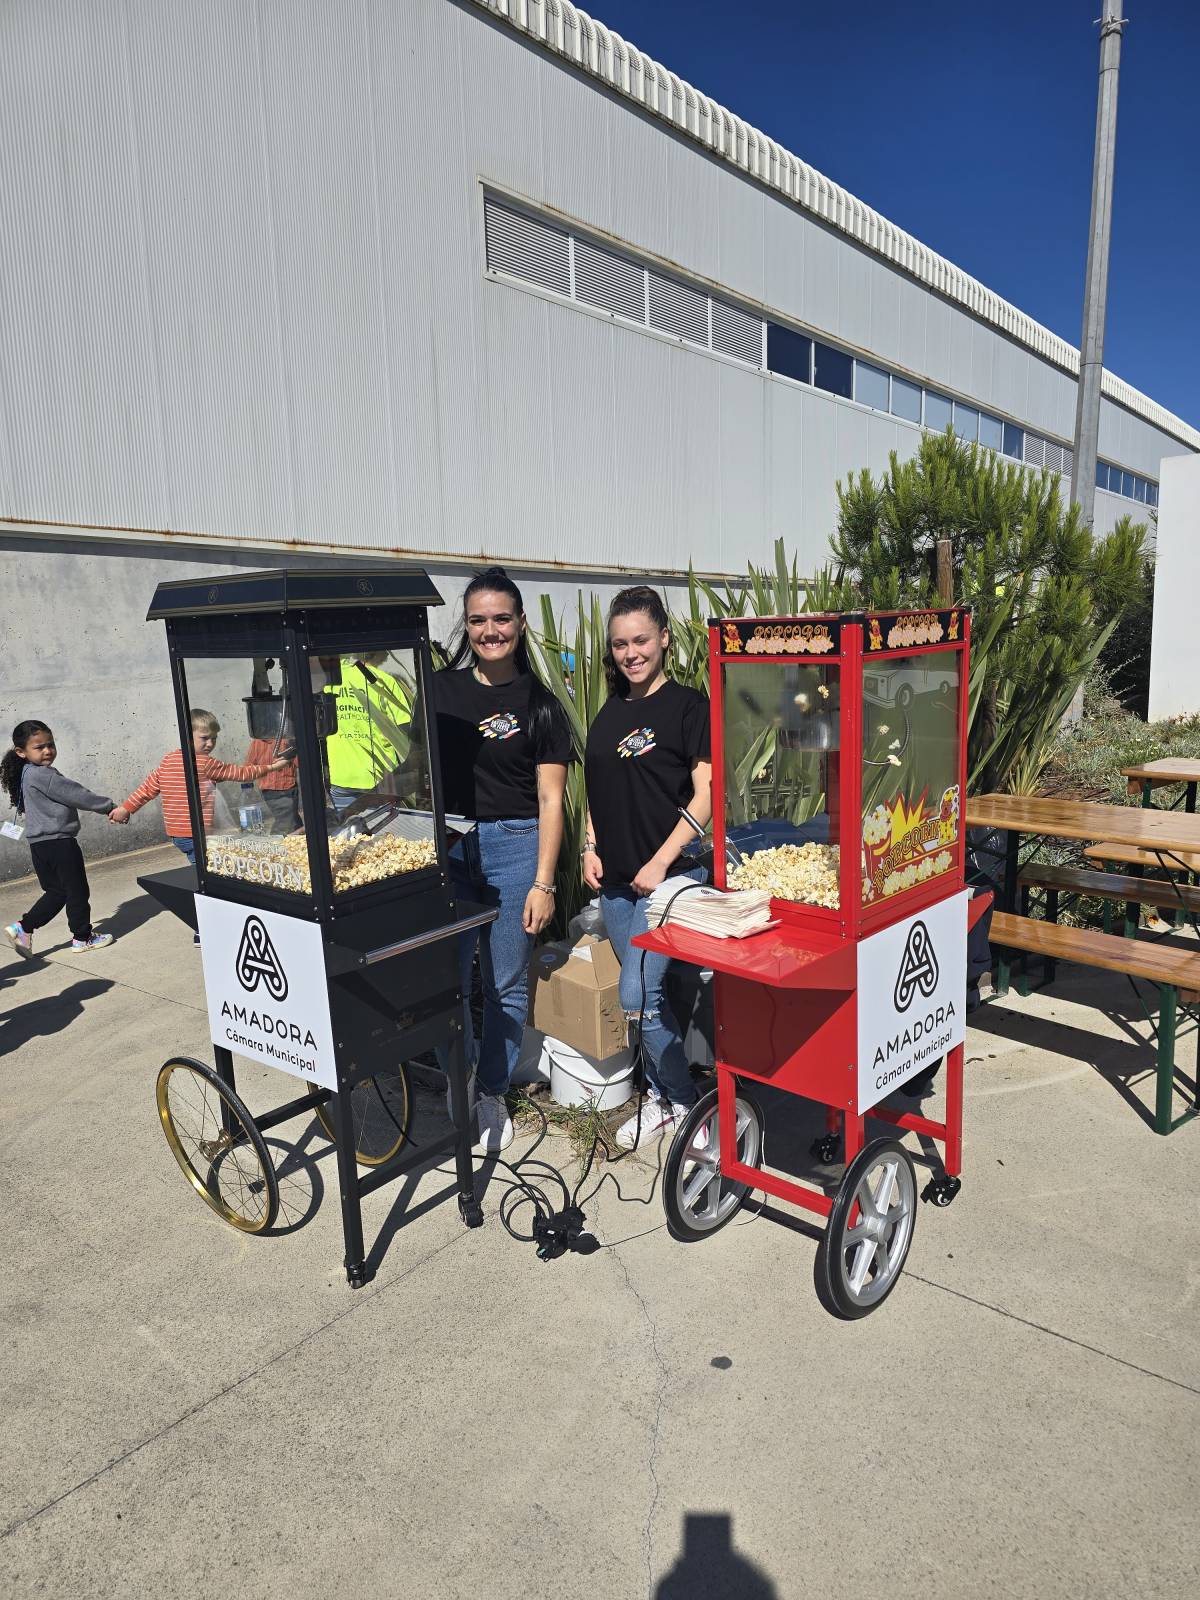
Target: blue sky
[[971, 126]]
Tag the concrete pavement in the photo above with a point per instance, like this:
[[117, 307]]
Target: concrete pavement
[[185, 1407]]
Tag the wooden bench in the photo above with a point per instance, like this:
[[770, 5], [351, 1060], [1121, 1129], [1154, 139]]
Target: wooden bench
[[1132, 855], [1169, 967], [1162, 893]]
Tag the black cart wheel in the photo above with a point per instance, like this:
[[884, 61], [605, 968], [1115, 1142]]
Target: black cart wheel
[[380, 1107], [696, 1198], [217, 1145], [864, 1247]]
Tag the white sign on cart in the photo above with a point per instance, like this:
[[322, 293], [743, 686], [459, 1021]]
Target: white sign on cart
[[912, 997], [264, 976]]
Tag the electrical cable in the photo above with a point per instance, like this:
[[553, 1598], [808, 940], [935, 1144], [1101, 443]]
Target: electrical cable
[[557, 1231]]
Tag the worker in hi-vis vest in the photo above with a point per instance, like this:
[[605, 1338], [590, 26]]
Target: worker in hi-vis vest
[[374, 718]]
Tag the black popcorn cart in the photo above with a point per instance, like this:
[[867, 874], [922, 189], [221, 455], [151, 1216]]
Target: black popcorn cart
[[320, 891]]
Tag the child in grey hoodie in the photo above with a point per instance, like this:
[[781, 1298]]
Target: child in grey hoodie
[[51, 804]]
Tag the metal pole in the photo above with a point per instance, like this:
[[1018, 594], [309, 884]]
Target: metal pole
[[1095, 292]]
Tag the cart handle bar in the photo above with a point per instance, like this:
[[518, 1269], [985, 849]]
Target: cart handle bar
[[386, 951]]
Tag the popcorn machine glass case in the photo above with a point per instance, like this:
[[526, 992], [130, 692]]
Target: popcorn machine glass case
[[838, 763]]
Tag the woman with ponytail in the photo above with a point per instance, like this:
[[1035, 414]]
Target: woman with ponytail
[[504, 744], [649, 785]]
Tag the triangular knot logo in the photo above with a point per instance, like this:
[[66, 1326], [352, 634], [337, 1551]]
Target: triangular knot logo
[[918, 967], [258, 963]]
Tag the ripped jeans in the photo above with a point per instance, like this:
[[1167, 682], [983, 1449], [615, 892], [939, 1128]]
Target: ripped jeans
[[666, 1064]]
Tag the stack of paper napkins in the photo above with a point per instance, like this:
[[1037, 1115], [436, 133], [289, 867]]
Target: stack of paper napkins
[[724, 914]]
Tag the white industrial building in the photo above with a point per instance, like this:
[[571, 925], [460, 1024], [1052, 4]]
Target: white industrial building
[[446, 281]]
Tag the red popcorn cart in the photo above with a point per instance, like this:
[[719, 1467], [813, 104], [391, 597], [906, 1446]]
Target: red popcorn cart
[[839, 777]]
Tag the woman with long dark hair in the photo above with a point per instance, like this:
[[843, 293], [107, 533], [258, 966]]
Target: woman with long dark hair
[[504, 744], [649, 785]]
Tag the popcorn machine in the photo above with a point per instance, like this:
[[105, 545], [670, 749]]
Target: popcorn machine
[[839, 773], [322, 898]]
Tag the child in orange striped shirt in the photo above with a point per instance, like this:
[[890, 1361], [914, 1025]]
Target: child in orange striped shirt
[[169, 781]]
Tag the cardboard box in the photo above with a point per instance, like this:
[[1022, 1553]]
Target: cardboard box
[[574, 996]]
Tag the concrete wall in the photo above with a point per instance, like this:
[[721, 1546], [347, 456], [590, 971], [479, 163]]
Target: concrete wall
[[80, 656], [1175, 646]]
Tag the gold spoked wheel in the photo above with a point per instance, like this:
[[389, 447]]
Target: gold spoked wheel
[[217, 1145], [380, 1107]]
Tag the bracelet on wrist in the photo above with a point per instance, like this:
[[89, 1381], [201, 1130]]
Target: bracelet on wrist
[[546, 888]]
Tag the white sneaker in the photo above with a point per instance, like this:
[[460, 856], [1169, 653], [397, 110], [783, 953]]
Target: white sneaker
[[700, 1137], [495, 1124], [656, 1115]]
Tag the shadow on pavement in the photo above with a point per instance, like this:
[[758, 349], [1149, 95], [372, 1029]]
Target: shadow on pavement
[[44, 1018], [129, 916], [1121, 1063], [709, 1565]]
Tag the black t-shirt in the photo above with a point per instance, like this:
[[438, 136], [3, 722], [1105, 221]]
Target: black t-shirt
[[639, 772], [489, 765]]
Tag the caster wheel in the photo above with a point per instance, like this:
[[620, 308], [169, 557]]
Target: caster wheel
[[357, 1277], [826, 1148], [941, 1191], [471, 1212], [380, 1106], [865, 1245], [217, 1145], [696, 1199]]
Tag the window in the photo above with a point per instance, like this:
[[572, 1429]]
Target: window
[[1014, 441], [676, 308], [870, 386], [1151, 494], [833, 370], [1102, 474], [1127, 485], [906, 400], [526, 247], [789, 353], [609, 282], [991, 431], [1139, 490], [938, 411], [966, 421]]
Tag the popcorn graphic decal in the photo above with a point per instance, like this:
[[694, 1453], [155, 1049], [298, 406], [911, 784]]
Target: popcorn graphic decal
[[638, 743], [904, 843], [502, 725]]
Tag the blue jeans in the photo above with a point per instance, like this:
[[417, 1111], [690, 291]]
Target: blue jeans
[[188, 848], [495, 865], [666, 1065]]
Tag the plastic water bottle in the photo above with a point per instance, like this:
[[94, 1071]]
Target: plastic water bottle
[[250, 815]]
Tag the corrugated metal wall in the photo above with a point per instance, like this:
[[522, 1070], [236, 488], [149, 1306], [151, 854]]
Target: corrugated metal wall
[[245, 298]]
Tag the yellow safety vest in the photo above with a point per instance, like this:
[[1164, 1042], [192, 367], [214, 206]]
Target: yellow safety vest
[[372, 713]]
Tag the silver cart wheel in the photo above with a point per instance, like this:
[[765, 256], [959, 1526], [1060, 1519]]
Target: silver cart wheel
[[864, 1247], [696, 1198]]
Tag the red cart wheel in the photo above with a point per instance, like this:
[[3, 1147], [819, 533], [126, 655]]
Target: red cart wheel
[[865, 1245], [696, 1198]]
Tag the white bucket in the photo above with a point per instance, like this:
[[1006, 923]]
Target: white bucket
[[576, 1079], [533, 1064]]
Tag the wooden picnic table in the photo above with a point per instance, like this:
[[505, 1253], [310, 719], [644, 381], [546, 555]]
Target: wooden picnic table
[[1168, 835], [1153, 775]]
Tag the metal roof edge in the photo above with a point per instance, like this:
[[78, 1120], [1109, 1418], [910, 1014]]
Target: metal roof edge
[[566, 31]]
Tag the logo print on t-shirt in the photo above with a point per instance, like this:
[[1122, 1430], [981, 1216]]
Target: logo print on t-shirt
[[638, 743], [501, 726]]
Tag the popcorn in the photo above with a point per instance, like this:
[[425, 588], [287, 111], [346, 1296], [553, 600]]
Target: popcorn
[[282, 862], [807, 873], [877, 827]]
